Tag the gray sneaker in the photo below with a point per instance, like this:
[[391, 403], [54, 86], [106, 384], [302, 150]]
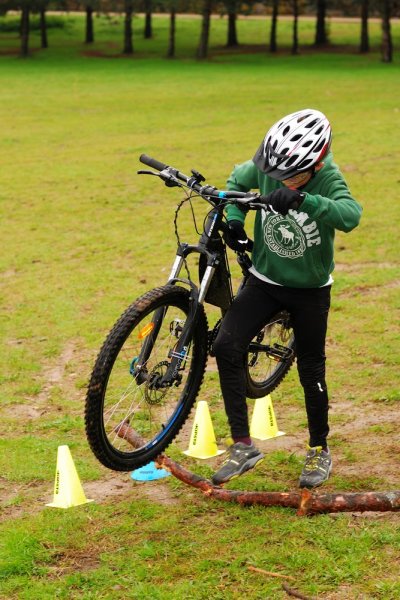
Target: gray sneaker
[[242, 457], [317, 467]]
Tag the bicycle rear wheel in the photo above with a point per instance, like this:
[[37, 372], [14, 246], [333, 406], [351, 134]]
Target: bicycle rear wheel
[[125, 386], [271, 354]]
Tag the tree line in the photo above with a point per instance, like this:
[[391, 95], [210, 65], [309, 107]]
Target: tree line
[[364, 9]]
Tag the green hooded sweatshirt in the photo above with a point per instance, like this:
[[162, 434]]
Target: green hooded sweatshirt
[[296, 250]]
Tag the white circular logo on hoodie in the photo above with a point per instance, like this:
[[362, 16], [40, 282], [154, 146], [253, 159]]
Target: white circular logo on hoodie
[[284, 237]]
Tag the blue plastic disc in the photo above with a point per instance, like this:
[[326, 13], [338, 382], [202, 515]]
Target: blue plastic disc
[[149, 473]]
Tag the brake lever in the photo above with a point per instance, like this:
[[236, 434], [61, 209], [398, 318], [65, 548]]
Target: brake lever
[[168, 178], [251, 204], [144, 172], [256, 205]]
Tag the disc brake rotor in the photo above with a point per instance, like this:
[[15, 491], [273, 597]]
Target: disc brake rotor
[[152, 393]]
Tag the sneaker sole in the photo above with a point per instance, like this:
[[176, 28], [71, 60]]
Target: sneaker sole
[[249, 465]]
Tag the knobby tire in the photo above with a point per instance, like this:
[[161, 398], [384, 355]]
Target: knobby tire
[[106, 445], [272, 371]]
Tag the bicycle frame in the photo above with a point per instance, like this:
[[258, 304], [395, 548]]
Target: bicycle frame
[[214, 260]]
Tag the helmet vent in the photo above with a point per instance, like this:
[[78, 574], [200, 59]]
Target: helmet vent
[[320, 146], [308, 143], [291, 160], [285, 151], [305, 163], [311, 124], [296, 137], [286, 130], [302, 117], [319, 130]]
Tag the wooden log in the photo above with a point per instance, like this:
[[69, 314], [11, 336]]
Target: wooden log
[[349, 502], [305, 502]]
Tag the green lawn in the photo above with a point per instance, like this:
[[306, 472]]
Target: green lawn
[[82, 236]]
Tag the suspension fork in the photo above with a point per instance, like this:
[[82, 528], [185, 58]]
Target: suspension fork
[[158, 318], [148, 345], [197, 296]]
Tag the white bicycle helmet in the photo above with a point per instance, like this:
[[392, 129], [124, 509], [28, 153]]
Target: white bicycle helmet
[[294, 144]]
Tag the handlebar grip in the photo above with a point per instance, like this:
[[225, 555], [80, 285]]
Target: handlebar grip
[[152, 162]]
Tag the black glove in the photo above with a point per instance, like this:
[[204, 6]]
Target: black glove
[[283, 200], [236, 237]]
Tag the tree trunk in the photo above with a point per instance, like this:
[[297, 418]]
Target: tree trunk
[[43, 28], [171, 45], [89, 36], [148, 30], [128, 45], [232, 33], [24, 52], [295, 44], [273, 46], [387, 44], [202, 49], [321, 37], [364, 40]]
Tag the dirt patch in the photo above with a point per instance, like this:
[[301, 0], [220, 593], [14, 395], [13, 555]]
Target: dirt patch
[[101, 54], [211, 365], [158, 492], [357, 267], [17, 500], [372, 291], [54, 374], [118, 485], [73, 561], [16, 52], [24, 412]]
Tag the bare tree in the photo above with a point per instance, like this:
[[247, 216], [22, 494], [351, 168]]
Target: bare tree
[[231, 9], [128, 32], [42, 24], [295, 43], [321, 36], [273, 46], [364, 39], [387, 43], [89, 29], [25, 28], [172, 29], [148, 29], [202, 50]]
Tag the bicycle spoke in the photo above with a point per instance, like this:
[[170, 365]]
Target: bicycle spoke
[[140, 402]]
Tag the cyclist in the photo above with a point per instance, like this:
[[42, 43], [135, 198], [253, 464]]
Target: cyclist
[[292, 261]]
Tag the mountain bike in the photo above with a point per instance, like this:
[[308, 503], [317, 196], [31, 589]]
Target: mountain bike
[[150, 368]]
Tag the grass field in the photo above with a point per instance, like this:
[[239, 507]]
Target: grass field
[[82, 236]]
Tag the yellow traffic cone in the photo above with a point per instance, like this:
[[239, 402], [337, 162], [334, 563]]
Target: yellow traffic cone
[[263, 423], [202, 441], [68, 490]]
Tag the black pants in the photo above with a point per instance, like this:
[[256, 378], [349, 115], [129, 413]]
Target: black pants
[[252, 308]]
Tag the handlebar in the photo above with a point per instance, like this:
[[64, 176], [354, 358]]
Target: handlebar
[[153, 162], [172, 176]]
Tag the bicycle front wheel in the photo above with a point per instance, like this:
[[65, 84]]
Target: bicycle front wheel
[[271, 354], [127, 386]]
